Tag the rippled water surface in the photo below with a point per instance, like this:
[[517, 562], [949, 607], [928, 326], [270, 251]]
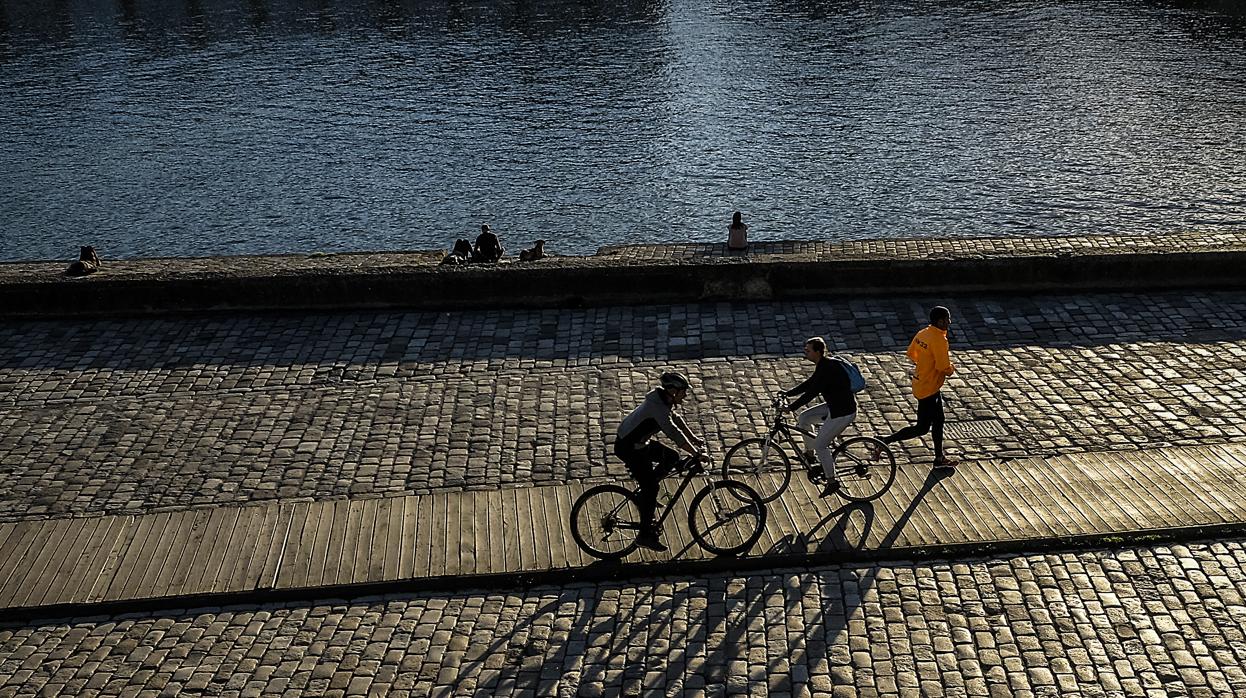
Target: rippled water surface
[[241, 126]]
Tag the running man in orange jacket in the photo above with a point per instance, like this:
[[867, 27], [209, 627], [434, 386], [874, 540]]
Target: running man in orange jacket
[[929, 354]]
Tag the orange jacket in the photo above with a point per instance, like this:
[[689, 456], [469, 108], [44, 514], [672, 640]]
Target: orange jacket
[[928, 351]]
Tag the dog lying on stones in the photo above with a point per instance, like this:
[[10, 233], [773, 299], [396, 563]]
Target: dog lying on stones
[[532, 255]]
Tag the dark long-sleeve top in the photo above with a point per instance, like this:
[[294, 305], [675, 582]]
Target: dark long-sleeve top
[[829, 380], [653, 415]]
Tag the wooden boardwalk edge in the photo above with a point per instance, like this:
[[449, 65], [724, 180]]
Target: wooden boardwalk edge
[[288, 550], [621, 571]]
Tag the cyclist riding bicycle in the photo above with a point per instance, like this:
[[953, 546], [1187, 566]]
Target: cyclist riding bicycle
[[830, 380], [649, 461]]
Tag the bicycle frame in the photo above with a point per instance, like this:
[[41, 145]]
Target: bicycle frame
[[721, 508], [755, 455], [782, 428], [683, 485], [664, 511]]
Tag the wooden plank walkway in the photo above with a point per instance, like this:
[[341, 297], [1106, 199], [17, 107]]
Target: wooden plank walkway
[[458, 536]]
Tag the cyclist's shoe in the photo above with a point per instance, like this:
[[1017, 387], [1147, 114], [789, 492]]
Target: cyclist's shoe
[[945, 463], [831, 488], [816, 475], [811, 457], [652, 542]]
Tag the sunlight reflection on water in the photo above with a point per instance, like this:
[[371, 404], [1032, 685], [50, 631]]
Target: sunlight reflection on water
[[269, 127]]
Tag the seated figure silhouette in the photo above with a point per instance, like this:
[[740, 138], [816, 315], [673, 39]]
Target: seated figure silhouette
[[461, 254], [737, 233], [88, 263], [488, 248]]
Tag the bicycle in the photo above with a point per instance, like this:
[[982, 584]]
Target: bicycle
[[864, 466], [725, 517]]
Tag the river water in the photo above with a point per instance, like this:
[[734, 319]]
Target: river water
[[201, 127]]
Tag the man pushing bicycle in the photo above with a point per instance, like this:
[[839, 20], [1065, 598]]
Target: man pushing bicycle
[[649, 461]]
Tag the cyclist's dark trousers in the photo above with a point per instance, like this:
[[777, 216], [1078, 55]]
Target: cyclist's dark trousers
[[648, 465], [929, 418]]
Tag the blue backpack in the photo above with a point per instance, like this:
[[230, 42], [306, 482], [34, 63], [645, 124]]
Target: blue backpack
[[856, 381]]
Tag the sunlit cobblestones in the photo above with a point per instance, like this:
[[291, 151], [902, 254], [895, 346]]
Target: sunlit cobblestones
[[139, 415], [1148, 621]]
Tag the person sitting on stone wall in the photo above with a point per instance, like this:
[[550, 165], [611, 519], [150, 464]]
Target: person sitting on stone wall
[[88, 263], [488, 248], [532, 255], [461, 254], [737, 234]]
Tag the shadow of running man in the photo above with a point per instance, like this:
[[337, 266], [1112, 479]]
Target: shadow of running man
[[933, 478]]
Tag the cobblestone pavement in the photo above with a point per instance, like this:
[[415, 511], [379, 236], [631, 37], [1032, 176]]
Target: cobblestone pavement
[[1150, 621], [927, 248], [141, 415]]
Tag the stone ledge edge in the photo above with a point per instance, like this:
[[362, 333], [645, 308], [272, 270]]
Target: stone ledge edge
[[580, 282]]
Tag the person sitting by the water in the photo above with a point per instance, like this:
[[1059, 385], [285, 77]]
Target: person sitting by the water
[[461, 254], [488, 248], [88, 263], [532, 255], [737, 234]]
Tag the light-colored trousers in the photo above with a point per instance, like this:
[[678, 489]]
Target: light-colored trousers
[[826, 434]]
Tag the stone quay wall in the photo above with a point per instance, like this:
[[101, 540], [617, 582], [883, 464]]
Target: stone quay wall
[[628, 275]]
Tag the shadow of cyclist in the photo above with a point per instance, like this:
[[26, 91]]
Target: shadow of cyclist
[[841, 530]]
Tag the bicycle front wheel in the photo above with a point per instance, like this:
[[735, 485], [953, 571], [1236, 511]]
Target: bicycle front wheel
[[865, 468], [605, 521], [767, 474], [726, 517]]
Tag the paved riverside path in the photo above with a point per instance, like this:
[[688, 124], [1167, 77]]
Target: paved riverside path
[[132, 416], [121, 423], [452, 540], [212, 415]]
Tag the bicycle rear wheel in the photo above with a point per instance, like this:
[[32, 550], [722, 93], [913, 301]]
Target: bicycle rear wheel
[[605, 521], [726, 517], [865, 468], [768, 476]]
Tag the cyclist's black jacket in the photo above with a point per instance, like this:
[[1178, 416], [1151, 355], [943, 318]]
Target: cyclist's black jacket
[[829, 380], [653, 415]]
